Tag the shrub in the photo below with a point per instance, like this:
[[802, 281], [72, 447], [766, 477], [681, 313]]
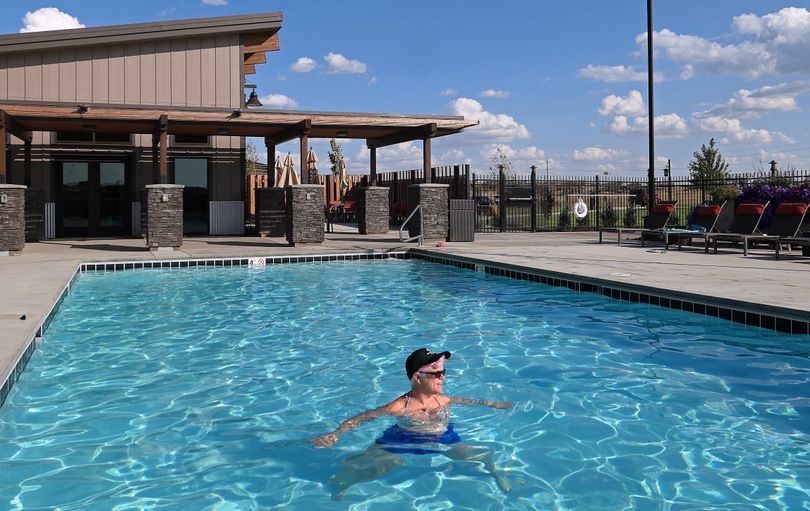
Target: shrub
[[565, 217], [630, 217], [608, 216]]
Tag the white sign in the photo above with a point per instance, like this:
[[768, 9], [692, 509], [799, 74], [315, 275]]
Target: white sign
[[256, 262]]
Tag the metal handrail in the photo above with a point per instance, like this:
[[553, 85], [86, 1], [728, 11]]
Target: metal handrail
[[421, 227]]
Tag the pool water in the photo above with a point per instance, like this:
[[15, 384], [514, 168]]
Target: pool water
[[198, 389]]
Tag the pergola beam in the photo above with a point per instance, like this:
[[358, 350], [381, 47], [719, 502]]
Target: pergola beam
[[14, 128], [296, 130], [406, 135]]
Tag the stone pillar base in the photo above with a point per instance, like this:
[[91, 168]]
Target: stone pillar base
[[164, 217], [271, 212], [372, 213], [305, 216], [432, 199], [34, 215], [12, 219]]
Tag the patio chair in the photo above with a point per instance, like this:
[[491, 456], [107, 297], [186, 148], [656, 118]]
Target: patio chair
[[746, 221], [714, 216], [656, 220], [785, 228], [802, 241], [349, 211]]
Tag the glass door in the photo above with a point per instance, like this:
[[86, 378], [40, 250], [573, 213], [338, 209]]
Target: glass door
[[92, 199], [193, 173], [74, 181]]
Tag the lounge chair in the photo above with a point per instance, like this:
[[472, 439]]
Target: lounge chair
[[802, 241], [746, 221], [656, 220], [714, 216], [784, 229]]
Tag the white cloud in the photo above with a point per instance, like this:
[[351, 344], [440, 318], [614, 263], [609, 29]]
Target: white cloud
[[632, 105], [733, 131], [616, 74], [491, 127], [493, 93], [48, 18], [666, 126], [597, 153], [303, 65], [373, 80], [215, 2], [278, 101], [752, 103], [522, 159], [338, 64], [454, 155], [407, 155], [688, 72], [449, 92], [774, 43]]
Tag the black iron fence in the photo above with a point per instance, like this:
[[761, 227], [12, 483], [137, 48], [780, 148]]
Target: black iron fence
[[537, 203]]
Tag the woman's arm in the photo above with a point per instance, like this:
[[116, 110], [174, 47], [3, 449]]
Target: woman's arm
[[329, 439], [492, 404]]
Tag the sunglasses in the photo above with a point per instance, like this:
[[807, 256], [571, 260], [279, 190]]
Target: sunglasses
[[435, 374]]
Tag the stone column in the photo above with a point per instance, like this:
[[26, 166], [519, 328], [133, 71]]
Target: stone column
[[34, 215], [164, 217], [432, 199], [305, 215], [271, 212], [12, 219], [372, 211]]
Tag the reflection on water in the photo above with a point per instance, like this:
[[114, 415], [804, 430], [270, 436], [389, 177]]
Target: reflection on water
[[197, 389]]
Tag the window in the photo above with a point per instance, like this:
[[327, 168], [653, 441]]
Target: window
[[181, 139], [90, 136]]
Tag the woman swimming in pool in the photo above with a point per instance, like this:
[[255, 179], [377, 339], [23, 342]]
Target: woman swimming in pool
[[423, 419]]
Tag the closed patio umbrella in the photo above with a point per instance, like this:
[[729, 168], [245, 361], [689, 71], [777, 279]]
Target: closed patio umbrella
[[288, 175], [279, 171], [312, 166]]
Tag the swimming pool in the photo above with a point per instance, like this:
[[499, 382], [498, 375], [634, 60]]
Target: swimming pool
[[197, 389]]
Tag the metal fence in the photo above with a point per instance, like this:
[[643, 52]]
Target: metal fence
[[534, 203]]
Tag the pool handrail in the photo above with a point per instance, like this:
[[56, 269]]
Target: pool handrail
[[419, 236]]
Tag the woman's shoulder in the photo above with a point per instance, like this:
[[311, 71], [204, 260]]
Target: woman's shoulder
[[397, 406], [444, 400]]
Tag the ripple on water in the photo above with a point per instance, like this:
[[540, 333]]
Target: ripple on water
[[198, 389]]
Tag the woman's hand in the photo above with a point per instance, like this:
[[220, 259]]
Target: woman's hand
[[327, 440]]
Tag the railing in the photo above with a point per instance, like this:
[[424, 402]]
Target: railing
[[525, 203], [421, 234]]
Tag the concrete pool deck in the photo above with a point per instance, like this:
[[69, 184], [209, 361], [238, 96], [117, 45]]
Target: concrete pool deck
[[33, 281]]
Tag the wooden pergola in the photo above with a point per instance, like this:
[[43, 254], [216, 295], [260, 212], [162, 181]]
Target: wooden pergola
[[275, 126]]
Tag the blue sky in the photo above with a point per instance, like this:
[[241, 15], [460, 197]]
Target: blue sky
[[553, 82]]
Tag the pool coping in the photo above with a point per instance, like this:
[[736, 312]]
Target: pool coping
[[781, 319]]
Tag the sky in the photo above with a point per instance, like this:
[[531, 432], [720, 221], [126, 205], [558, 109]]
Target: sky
[[559, 84]]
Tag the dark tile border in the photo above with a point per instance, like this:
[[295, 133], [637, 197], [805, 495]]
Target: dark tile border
[[115, 266], [746, 314]]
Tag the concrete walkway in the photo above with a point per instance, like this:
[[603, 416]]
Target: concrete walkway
[[31, 282]]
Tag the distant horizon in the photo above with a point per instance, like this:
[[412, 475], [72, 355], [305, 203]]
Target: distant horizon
[[561, 84]]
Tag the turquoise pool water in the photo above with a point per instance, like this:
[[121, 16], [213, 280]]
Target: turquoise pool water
[[197, 389]]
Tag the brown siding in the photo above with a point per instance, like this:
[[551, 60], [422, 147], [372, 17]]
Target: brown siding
[[208, 62], [118, 77], [147, 74], [101, 75], [16, 77], [163, 72], [50, 77], [3, 77], [67, 75], [33, 76], [84, 75], [222, 69], [193, 75], [178, 72]]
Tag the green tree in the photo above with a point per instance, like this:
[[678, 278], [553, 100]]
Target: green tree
[[708, 164], [251, 158], [335, 155]]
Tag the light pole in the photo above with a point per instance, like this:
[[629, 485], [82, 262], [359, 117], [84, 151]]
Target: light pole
[[651, 168]]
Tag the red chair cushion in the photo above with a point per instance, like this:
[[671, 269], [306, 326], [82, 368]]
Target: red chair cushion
[[663, 209], [791, 208], [749, 209], [712, 210]]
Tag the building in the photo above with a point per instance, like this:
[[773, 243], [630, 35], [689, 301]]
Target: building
[[89, 117]]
